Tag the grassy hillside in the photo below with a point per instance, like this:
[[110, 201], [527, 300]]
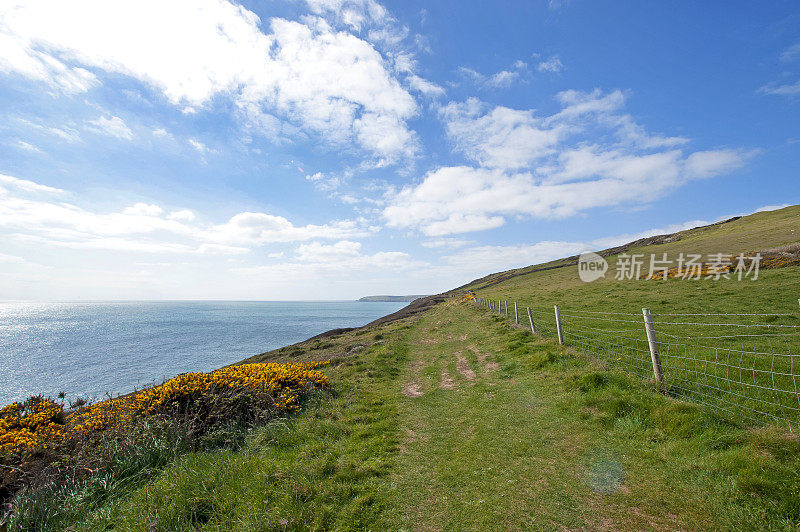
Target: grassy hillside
[[457, 421], [710, 352], [757, 232], [451, 417]]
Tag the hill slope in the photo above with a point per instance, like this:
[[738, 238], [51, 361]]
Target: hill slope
[[759, 232], [446, 416]]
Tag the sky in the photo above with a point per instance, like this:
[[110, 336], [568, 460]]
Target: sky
[[331, 149]]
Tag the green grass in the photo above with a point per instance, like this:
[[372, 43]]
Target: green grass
[[757, 232], [326, 468], [458, 421], [548, 440], [697, 362]]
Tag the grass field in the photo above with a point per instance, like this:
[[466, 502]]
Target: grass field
[[456, 419], [746, 366]]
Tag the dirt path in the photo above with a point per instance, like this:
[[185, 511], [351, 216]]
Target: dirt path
[[487, 447]]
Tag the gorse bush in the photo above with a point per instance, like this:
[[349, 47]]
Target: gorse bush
[[47, 450]]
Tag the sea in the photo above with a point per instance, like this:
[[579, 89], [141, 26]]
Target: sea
[[95, 350]]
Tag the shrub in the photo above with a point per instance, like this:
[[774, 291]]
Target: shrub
[[40, 443]]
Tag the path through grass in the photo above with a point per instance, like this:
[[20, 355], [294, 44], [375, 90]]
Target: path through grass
[[527, 436], [457, 421]]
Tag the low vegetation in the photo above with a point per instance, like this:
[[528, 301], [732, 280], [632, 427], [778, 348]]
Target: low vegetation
[[459, 421], [448, 418], [49, 455]]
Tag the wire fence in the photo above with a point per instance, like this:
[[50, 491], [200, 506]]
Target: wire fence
[[745, 364]]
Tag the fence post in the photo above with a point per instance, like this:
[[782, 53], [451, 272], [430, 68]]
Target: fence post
[[653, 343], [558, 327], [506, 302], [516, 314], [530, 318], [499, 306]]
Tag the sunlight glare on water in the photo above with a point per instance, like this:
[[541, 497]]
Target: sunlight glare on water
[[95, 348]]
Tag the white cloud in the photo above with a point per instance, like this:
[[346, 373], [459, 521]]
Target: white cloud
[[471, 73], [21, 58], [27, 146], [454, 200], [424, 86], [17, 268], [446, 243], [504, 78], [492, 258], [501, 79], [766, 208], [196, 50], [557, 4], [457, 222], [143, 209], [364, 17], [221, 249], [328, 182], [502, 137], [354, 13], [785, 89], [710, 163], [199, 146], [553, 64], [315, 260], [112, 127], [10, 259], [257, 228], [184, 215], [318, 252], [64, 133], [349, 199], [791, 53], [788, 89], [26, 186], [147, 227]]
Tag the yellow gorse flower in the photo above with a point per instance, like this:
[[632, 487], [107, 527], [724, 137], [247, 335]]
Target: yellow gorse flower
[[39, 421]]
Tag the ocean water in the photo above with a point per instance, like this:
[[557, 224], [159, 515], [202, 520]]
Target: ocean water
[[90, 349]]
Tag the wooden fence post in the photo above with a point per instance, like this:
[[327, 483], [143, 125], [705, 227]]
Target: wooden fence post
[[516, 314], [506, 302], [530, 319], [653, 343], [558, 327]]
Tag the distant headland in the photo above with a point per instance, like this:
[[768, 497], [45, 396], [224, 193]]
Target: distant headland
[[392, 299]]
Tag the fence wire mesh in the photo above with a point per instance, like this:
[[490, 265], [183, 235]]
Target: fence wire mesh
[[745, 364]]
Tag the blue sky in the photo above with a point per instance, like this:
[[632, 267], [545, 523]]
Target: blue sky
[[329, 149]]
